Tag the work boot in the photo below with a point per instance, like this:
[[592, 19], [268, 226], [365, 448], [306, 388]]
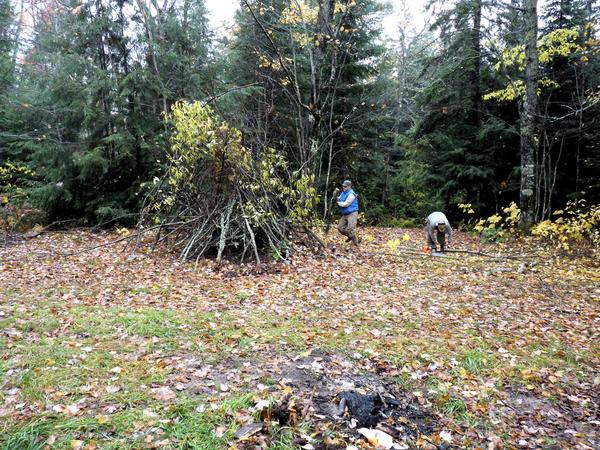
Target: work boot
[[355, 241]]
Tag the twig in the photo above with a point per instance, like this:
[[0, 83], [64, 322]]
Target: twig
[[428, 439], [487, 255], [402, 253], [475, 253], [252, 240], [214, 97], [116, 241], [315, 237]]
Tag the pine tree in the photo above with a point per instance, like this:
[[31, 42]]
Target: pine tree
[[6, 74], [92, 126], [6, 47], [315, 64], [449, 135]]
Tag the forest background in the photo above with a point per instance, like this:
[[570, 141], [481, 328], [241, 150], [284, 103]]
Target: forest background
[[448, 115], [123, 113]]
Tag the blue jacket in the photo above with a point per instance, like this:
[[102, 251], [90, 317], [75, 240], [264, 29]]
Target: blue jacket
[[352, 207]]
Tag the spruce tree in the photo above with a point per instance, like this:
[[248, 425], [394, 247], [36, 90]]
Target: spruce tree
[[6, 47], [91, 126], [448, 136], [311, 73]]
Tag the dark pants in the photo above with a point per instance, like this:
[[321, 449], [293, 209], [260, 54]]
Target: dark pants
[[441, 238]]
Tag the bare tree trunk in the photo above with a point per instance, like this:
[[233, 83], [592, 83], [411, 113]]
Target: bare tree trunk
[[386, 177], [324, 31], [149, 25], [326, 197], [528, 117], [17, 37], [554, 178], [475, 74]]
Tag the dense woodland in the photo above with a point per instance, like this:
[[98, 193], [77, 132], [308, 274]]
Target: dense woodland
[[492, 102], [168, 279]]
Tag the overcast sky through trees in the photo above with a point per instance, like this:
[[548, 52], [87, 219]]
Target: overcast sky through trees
[[222, 11]]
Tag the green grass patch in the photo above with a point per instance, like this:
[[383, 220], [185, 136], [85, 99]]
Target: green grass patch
[[39, 320], [32, 386], [45, 367], [435, 387], [455, 408], [35, 435], [181, 423], [196, 430], [554, 355], [3, 366], [241, 296], [361, 286], [475, 361], [283, 438], [31, 436], [290, 331], [151, 322], [404, 382], [409, 326]]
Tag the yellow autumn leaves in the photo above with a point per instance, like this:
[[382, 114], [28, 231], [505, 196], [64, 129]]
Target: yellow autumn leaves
[[299, 19], [562, 42], [572, 225], [394, 244]]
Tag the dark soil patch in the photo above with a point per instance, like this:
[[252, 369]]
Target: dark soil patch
[[311, 388]]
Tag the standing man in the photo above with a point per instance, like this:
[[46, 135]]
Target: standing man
[[437, 228], [348, 204]]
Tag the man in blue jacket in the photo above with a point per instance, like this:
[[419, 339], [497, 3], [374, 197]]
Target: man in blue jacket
[[348, 203]]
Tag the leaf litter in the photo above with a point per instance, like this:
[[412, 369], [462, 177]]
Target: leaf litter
[[475, 352]]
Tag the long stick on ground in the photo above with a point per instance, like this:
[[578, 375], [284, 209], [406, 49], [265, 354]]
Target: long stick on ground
[[487, 255], [108, 244]]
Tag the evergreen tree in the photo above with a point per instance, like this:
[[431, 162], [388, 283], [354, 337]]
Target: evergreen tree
[[6, 46], [407, 193], [92, 127], [315, 64], [6, 74], [449, 136]]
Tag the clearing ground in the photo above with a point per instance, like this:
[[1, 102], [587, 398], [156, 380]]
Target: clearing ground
[[119, 349]]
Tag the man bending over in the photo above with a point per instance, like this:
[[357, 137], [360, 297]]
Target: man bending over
[[437, 228]]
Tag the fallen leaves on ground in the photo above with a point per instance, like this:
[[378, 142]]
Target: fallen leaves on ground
[[497, 352]]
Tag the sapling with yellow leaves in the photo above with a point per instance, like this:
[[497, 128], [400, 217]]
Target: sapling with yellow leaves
[[576, 225], [220, 197]]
